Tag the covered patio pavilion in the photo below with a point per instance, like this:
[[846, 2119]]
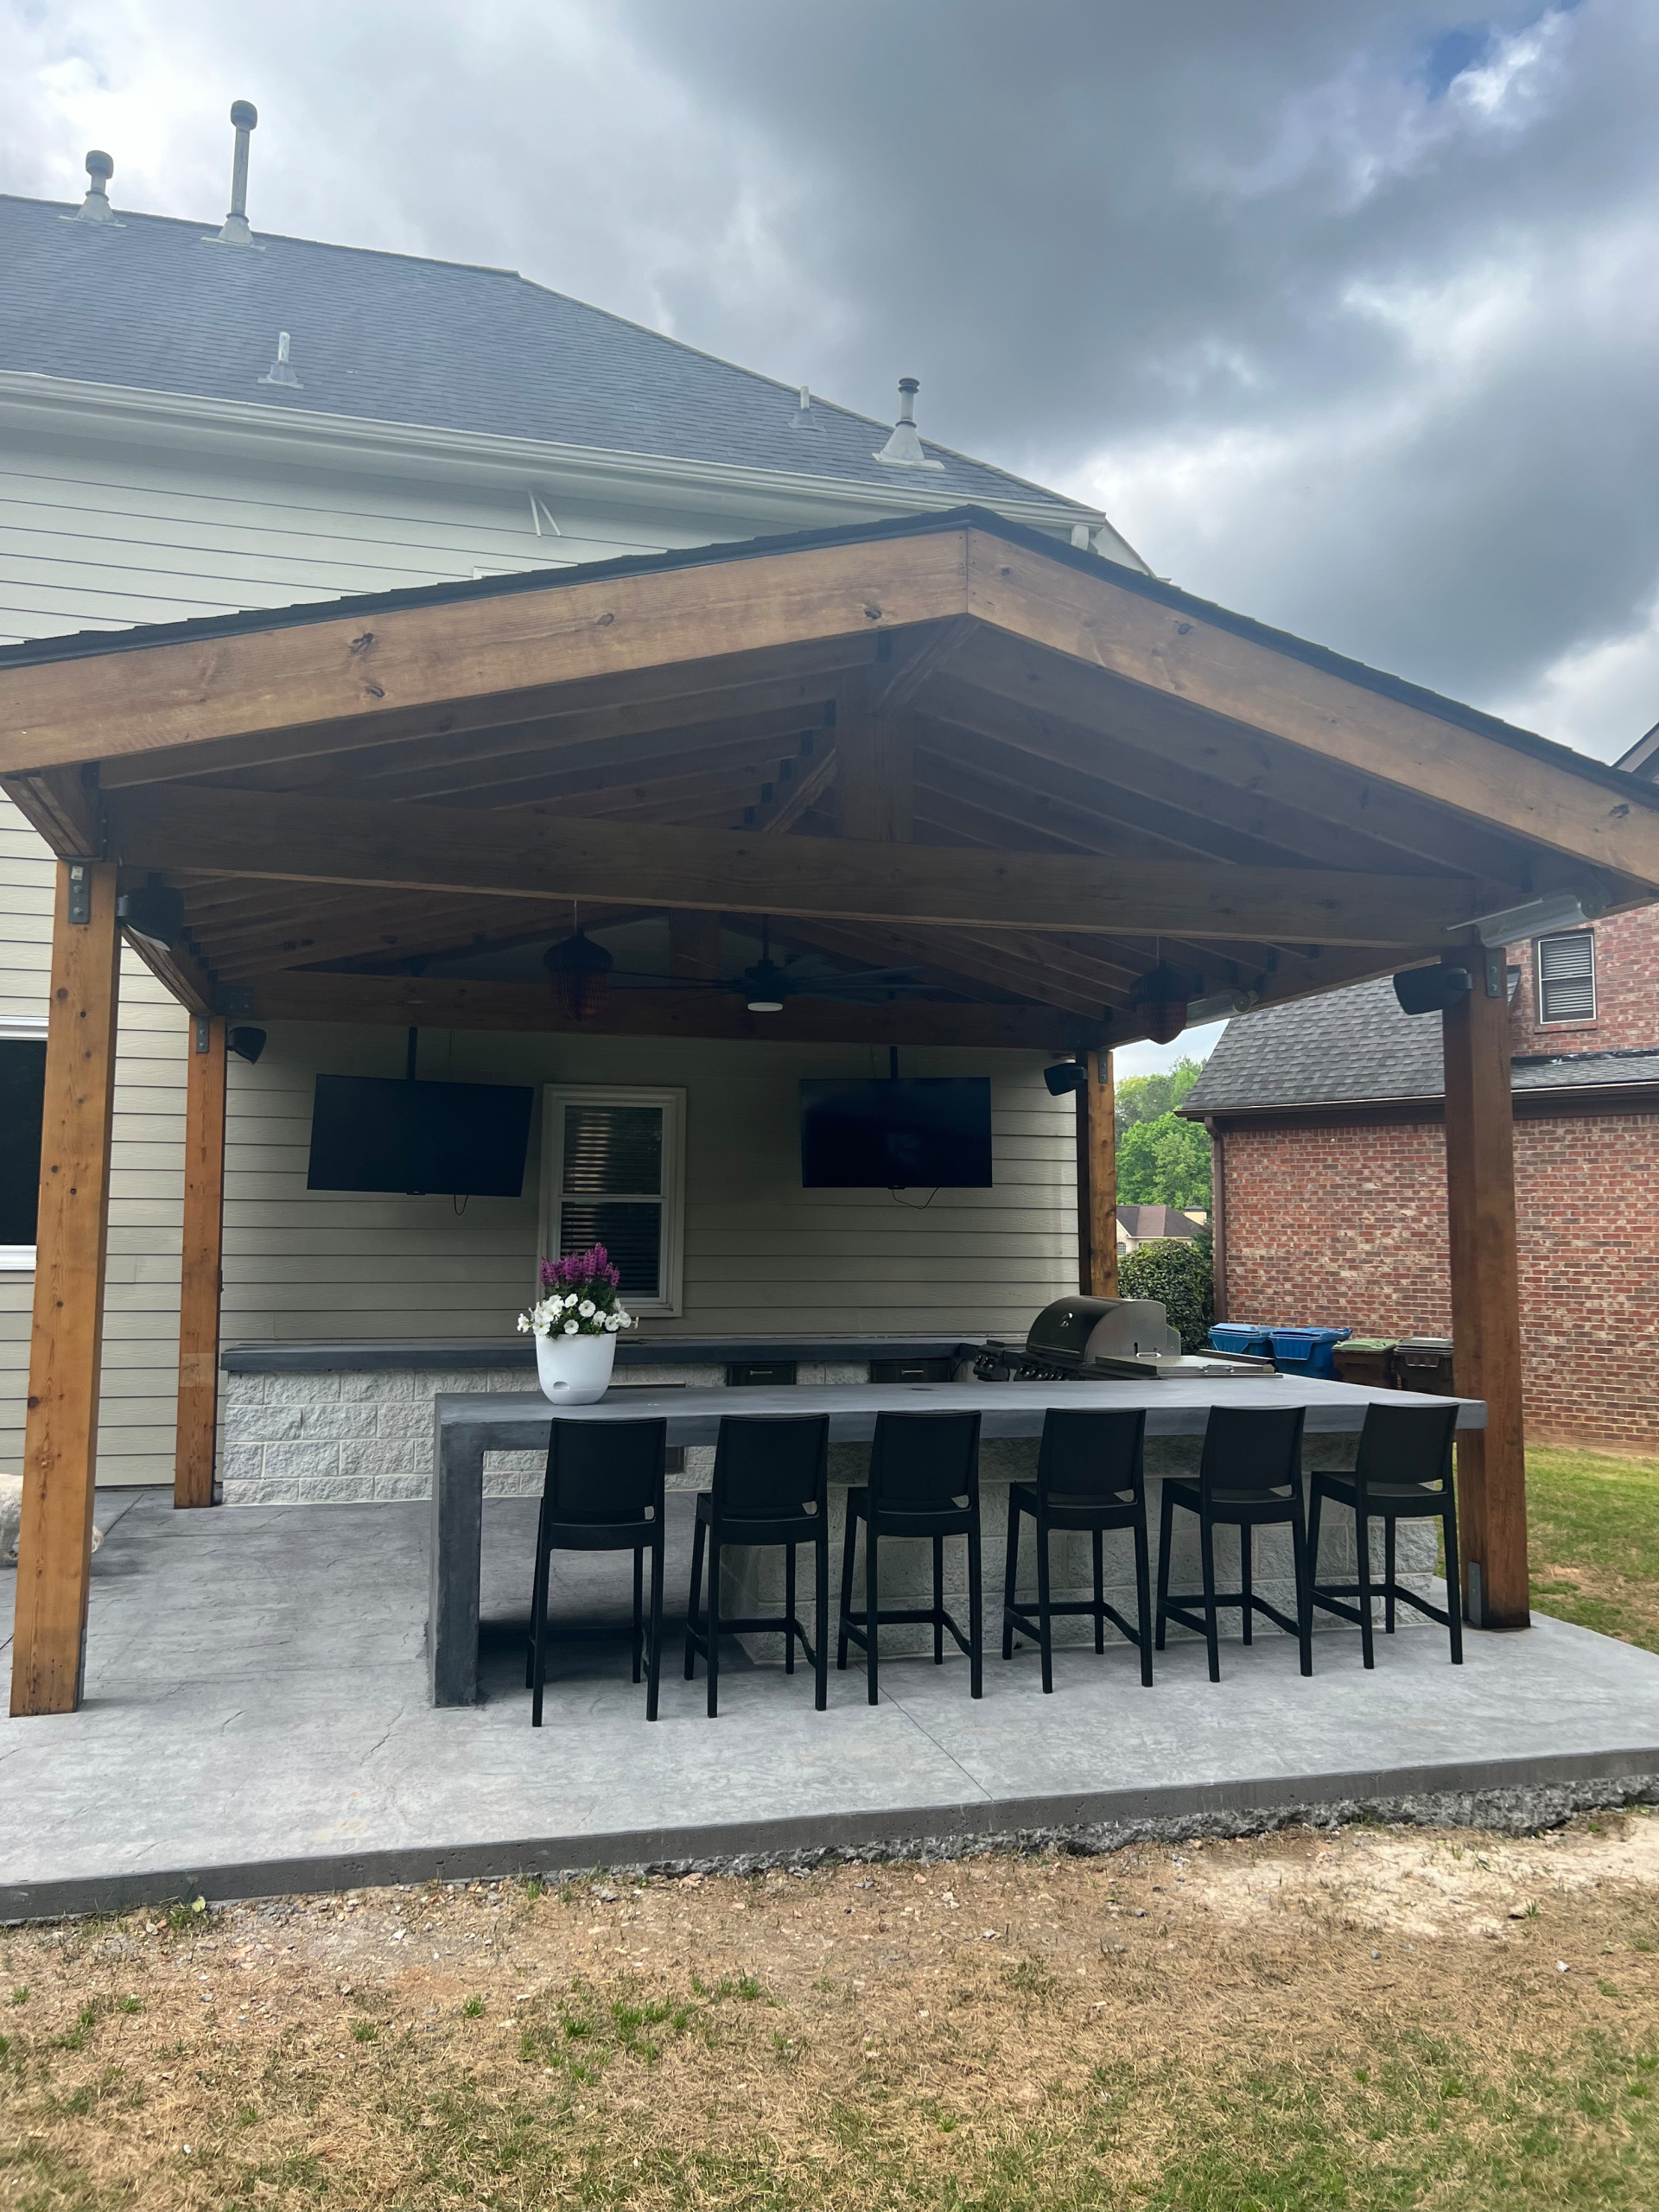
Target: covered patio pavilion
[[950, 745]]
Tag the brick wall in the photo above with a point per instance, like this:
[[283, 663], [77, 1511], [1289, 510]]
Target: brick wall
[[1627, 992], [1348, 1226]]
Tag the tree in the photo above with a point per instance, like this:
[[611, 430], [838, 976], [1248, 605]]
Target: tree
[[1181, 1277], [1149, 1097], [1163, 1162]]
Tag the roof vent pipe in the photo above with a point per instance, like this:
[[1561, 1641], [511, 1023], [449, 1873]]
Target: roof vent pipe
[[903, 449], [95, 207], [280, 372], [244, 117], [804, 418]]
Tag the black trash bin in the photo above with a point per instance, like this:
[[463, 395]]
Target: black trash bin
[[1425, 1363]]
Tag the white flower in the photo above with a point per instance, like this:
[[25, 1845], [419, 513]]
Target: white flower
[[585, 1309], [612, 1324], [523, 1323], [572, 1329], [570, 1298]]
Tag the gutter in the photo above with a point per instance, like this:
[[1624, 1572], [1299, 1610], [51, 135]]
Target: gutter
[[116, 410]]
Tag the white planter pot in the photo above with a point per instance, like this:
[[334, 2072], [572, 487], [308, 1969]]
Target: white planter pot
[[574, 1370]]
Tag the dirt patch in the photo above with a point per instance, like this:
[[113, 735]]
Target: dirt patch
[[1394, 2016]]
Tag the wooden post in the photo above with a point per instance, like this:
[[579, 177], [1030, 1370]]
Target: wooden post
[[1098, 1180], [54, 1548], [1486, 1294], [199, 1276]]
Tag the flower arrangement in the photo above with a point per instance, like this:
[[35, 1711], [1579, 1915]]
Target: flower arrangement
[[578, 1298]]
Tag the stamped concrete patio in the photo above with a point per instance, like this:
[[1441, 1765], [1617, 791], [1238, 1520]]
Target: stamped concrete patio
[[255, 1721]]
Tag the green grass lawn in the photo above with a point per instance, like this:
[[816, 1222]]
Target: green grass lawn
[[1594, 1542]]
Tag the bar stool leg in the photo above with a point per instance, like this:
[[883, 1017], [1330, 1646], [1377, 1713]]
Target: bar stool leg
[[938, 1601], [976, 1615], [789, 1609], [1044, 1622], [1010, 1569], [1207, 1551], [694, 1608], [848, 1554], [537, 1601], [538, 1644], [1246, 1579], [654, 1647], [1166, 1527], [1100, 1591], [1143, 1598], [1388, 1576], [1304, 1594], [1453, 1580], [639, 1608], [714, 1623], [1363, 1549], [870, 1629], [821, 1627]]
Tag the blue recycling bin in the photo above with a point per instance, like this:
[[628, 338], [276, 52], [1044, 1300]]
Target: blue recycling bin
[[1307, 1351], [1241, 1337]]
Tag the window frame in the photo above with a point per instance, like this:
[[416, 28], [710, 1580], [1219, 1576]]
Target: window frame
[[24, 1029], [555, 1097], [1567, 1020]]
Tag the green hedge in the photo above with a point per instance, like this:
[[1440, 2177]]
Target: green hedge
[[1181, 1275]]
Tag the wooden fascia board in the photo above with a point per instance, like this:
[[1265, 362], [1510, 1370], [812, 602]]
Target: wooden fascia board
[[1581, 1102], [527, 853], [424, 1001], [1176, 652], [133, 701]]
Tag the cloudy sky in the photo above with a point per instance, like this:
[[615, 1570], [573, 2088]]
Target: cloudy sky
[[1347, 311]]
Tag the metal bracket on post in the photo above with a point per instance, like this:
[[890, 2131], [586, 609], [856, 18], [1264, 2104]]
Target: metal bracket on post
[[1497, 979], [204, 1029], [80, 894], [1474, 1609]]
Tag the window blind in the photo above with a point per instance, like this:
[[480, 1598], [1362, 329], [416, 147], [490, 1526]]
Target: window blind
[[1566, 976]]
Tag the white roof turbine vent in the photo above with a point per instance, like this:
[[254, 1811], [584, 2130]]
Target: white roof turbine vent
[[244, 117], [903, 449], [280, 370], [95, 207]]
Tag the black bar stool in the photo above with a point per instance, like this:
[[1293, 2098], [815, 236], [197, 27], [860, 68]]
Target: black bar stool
[[1091, 1475], [771, 1486], [1402, 1472], [603, 1492], [1249, 1476], [923, 1482]]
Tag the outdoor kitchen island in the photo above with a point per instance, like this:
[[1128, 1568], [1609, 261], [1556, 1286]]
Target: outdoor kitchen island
[[468, 1427]]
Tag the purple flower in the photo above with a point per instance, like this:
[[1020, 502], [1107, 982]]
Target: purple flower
[[591, 1272]]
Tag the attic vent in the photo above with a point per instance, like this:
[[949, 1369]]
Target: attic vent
[[244, 117], [903, 449], [95, 207], [279, 371], [804, 419]]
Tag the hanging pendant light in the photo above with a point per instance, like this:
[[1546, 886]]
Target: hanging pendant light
[[1160, 999], [581, 972]]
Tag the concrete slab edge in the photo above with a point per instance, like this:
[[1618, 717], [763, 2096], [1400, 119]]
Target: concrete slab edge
[[1515, 1796]]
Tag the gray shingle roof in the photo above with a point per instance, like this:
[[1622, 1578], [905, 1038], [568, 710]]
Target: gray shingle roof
[[387, 337], [1355, 1047]]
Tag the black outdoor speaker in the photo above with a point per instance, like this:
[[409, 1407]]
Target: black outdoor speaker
[[154, 912], [1066, 1076], [1431, 990], [246, 1044]]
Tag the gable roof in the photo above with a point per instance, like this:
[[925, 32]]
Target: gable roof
[[1355, 1047], [388, 338]]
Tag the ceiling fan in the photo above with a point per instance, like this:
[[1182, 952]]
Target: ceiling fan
[[583, 968]]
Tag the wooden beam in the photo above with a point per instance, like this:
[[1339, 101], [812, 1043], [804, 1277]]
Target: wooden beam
[[694, 947], [530, 853], [1486, 1298], [1174, 653], [433, 1003], [875, 774], [199, 1280], [112, 705], [62, 805], [813, 777], [1097, 1104], [957, 961], [55, 1548]]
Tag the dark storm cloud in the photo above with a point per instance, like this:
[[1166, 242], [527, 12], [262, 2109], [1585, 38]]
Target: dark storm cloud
[[1347, 310]]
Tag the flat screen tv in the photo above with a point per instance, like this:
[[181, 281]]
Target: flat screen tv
[[373, 1133], [912, 1133]]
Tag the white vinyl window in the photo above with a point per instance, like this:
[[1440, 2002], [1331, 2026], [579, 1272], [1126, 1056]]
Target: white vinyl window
[[613, 1173], [1566, 976], [23, 1087]]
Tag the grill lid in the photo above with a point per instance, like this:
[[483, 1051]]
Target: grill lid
[[1075, 1332]]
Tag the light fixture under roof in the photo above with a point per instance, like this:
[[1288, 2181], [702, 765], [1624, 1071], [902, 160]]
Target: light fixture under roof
[[581, 973], [1554, 910]]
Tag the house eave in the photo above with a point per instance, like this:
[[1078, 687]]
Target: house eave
[[31, 401]]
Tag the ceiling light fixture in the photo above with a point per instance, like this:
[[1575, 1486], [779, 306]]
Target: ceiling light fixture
[[1552, 910]]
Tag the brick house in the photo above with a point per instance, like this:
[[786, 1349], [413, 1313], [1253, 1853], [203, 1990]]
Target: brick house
[[1325, 1120]]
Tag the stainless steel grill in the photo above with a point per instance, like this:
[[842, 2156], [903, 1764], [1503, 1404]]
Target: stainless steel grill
[[1100, 1338]]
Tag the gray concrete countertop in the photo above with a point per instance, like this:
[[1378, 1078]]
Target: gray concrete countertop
[[643, 1350]]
